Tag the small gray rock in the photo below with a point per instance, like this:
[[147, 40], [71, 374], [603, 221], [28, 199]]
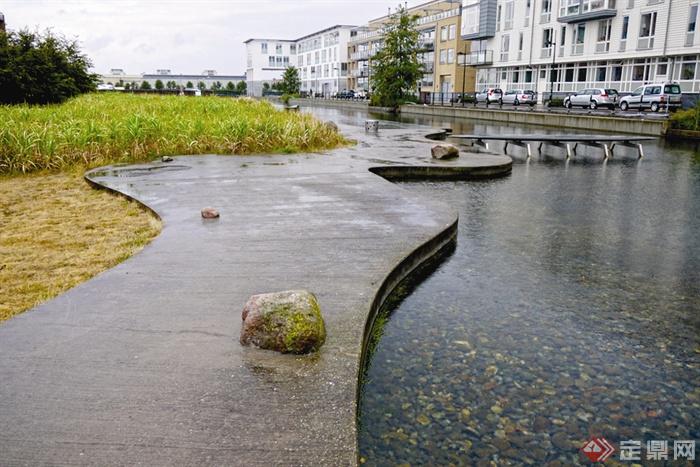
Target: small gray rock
[[286, 322], [331, 126], [210, 213], [445, 151]]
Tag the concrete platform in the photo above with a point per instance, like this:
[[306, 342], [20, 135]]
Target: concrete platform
[[142, 365]]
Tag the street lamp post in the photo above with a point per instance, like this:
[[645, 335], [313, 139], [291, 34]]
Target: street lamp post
[[553, 44], [464, 71]]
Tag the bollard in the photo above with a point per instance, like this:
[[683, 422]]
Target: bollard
[[372, 125]]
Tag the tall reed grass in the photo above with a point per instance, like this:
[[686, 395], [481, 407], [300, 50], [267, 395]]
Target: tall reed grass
[[100, 129]]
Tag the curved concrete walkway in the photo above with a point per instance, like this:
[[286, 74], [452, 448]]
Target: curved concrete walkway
[[142, 365]]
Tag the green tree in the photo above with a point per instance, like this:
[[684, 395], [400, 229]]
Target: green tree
[[396, 69], [201, 85], [242, 87], [171, 85], [127, 86], [266, 86], [230, 86], [145, 85], [189, 85], [159, 85], [216, 86], [291, 83], [42, 69]]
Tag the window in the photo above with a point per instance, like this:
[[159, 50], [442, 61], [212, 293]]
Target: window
[[470, 17], [693, 17], [562, 37], [324, 56], [579, 38], [498, 18], [443, 56], [638, 73], [450, 56], [278, 49], [271, 61], [604, 30], [452, 31], [582, 72], [516, 76], [625, 27], [528, 76], [546, 13], [293, 49], [443, 33], [505, 45], [547, 38], [301, 60], [263, 48], [569, 74], [617, 73], [600, 74], [688, 71], [509, 15], [662, 69], [647, 27]]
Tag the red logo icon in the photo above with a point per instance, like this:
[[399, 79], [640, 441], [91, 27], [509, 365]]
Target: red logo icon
[[598, 450]]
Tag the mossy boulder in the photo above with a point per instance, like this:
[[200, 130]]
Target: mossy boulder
[[445, 151], [287, 322]]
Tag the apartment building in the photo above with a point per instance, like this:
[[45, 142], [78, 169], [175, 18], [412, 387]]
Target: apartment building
[[321, 57], [566, 45], [443, 49], [266, 61]]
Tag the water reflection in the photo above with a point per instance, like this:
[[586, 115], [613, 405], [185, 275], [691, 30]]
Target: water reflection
[[570, 309]]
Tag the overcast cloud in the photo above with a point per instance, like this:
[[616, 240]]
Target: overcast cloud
[[184, 36]]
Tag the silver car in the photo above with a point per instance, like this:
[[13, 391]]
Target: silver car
[[653, 97], [490, 96], [520, 96], [592, 98]]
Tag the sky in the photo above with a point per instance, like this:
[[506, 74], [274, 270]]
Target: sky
[[183, 36]]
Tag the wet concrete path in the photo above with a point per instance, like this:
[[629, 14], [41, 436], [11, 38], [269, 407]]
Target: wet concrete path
[[142, 365]]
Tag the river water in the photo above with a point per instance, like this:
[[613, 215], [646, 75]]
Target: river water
[[570, 309]]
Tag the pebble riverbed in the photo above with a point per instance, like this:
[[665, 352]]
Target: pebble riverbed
[[569, 309]]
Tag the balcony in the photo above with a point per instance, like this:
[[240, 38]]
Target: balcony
[[428, 67], [482, 57], [573, 11], [427, 45]]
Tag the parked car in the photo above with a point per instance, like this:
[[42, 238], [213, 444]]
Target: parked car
[[490, 95], [592, 98], [654, 97], [346, 94], [520, 96], [361, 94]]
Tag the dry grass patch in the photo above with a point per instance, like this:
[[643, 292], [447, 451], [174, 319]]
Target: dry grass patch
[[57, 232]]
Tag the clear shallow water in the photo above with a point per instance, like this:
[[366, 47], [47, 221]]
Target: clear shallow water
[[569, 309]]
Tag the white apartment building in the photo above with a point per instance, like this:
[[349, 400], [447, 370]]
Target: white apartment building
[[266, 62], [569, 45], [321, 57]]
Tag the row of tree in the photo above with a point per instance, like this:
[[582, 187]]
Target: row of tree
[[239, 87]]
